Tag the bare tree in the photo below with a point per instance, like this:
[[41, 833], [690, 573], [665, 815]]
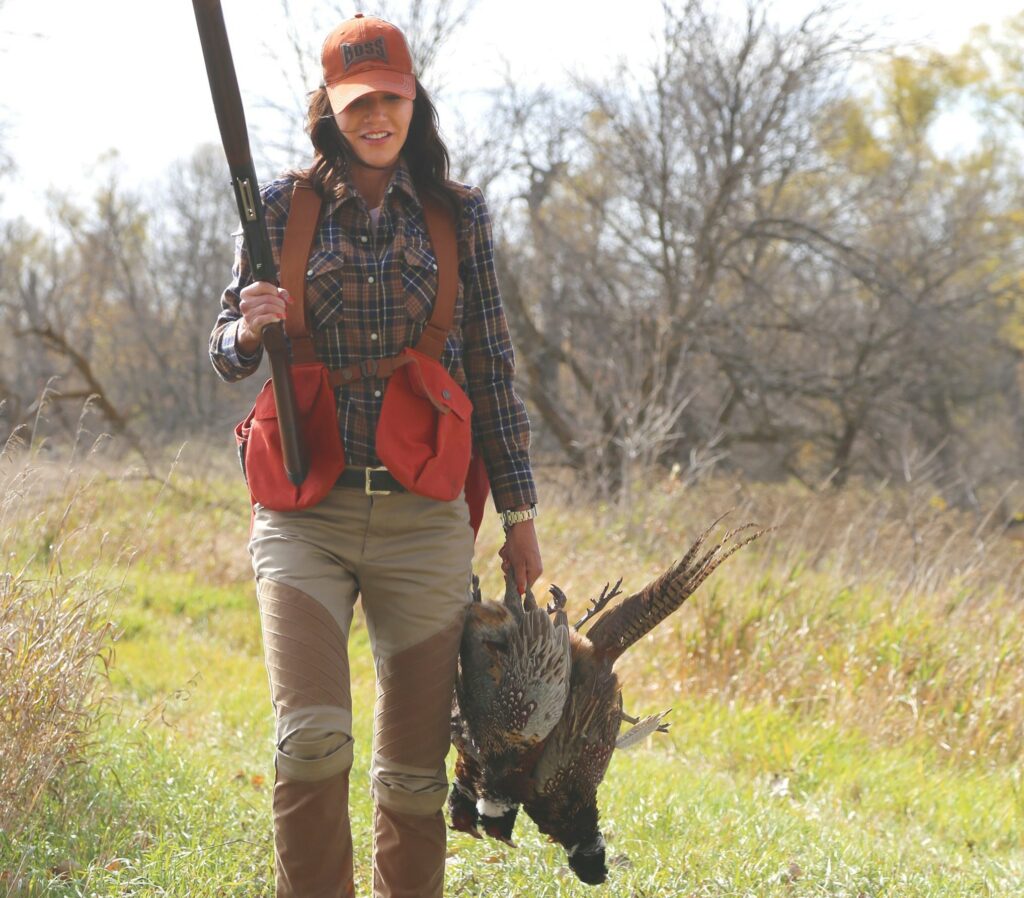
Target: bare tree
[[712, 257], [193, 246], [640, 218]]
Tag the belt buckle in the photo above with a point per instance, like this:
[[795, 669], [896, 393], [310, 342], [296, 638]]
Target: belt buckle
[[369, 490]]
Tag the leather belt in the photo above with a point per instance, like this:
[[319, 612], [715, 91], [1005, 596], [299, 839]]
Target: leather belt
[[374, 481]]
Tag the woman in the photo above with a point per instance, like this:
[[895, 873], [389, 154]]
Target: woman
[[370, 287]]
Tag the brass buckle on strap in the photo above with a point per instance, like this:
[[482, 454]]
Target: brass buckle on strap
[[369, 490]]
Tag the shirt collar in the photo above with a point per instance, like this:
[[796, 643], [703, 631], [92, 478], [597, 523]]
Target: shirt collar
[[401, 181]]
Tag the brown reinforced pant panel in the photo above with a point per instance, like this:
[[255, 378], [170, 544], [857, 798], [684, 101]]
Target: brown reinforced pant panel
[[313, 842], [305, 651], [414, 700], [409, 854]]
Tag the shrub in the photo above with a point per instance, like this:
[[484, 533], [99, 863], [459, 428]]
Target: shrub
[[55, 644]]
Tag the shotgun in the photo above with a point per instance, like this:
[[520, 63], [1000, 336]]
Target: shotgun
[[227, 103]]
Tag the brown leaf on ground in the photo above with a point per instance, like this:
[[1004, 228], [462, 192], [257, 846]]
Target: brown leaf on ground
[[63, 870]]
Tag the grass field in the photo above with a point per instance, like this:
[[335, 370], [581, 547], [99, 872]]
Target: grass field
[[847, 702]]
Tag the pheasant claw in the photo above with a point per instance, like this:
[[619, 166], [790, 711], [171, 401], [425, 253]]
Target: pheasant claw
[[559, 600], [600, 603]]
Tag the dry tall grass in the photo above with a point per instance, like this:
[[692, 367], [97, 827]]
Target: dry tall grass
[[54, 640], [870, 608]]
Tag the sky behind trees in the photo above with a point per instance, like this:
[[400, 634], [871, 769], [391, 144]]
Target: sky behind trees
[[84, 78]]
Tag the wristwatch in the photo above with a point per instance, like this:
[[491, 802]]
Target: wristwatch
[[508, 518]]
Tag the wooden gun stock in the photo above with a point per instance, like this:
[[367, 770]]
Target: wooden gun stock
[[227, 103]]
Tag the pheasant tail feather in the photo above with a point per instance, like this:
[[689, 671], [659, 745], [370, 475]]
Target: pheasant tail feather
[[635, 617]]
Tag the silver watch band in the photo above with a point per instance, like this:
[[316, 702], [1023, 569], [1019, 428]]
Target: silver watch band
[[509, 518]]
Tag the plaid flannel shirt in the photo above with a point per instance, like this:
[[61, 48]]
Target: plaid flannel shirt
[[370, 293]]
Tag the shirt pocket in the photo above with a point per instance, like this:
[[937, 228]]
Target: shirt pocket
[[419, 280], [324, 277]]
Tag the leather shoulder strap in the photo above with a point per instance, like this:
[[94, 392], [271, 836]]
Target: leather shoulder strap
[[303, 219], [441, 228]]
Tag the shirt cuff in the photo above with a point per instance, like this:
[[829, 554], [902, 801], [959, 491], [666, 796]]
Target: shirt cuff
[[233, 353], [512, 489]]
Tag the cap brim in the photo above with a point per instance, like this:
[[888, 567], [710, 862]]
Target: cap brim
[[342, 93]]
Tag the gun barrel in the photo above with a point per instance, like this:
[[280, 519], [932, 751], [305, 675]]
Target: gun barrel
[[227, 103]]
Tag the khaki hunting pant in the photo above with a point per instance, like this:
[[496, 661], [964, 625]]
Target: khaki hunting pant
[[409, 559]]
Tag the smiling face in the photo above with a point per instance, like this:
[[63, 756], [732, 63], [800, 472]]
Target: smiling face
[[376, 126]]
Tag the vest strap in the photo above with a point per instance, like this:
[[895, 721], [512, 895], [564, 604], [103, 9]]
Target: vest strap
[[299, 232]]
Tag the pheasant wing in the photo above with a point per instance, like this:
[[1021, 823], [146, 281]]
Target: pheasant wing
[[539, 676], [513, 681], [581, 744]]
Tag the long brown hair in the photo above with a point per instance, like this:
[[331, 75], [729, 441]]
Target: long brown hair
[[424, 152]]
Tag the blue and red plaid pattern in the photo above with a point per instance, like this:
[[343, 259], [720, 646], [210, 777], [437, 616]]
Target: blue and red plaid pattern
[[370, 293]]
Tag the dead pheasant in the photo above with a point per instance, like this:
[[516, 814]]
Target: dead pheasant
[[512, 687], [555, 776]]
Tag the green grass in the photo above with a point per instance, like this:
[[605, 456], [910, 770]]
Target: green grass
[[796, 765]]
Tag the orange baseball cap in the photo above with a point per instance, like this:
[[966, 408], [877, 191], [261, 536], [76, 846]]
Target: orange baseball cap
[[364, 54]]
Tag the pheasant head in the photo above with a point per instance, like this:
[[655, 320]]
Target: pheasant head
[[572, 822]]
